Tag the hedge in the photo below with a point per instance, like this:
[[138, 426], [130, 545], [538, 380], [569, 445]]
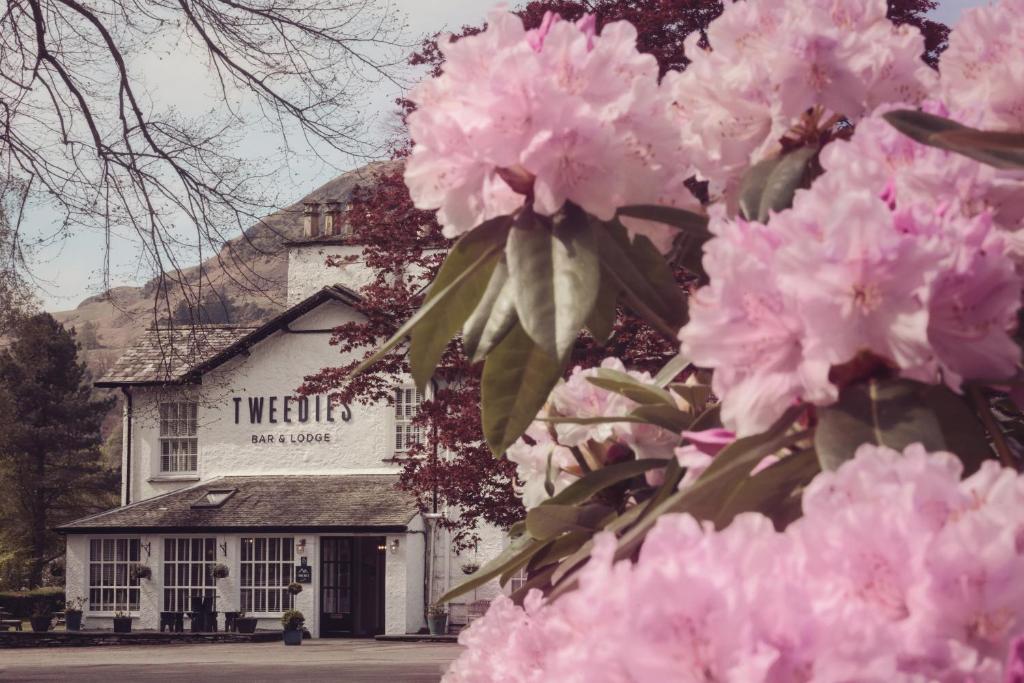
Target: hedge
[[23, 603]]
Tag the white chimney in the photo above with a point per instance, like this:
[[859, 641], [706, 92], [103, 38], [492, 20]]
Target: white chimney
[[311, 227], [332, 219]]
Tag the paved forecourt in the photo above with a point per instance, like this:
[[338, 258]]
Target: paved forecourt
[[314, 660]]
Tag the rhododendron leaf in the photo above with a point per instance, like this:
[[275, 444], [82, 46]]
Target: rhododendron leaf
[[517, 379], [594, 482], [773, 491], [630, 387], [601, 321], [499, 322], [671, 370], [770, 185], [962, 431], [547, 521], [647, 290], [729, 469], [556, 275], [578, 558], [475, 324], [889, 413], [687, 221], [697, 395], [1001, 149], [540, 580], [669, 417]]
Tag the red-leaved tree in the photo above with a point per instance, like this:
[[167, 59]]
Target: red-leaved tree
[[452, 468]]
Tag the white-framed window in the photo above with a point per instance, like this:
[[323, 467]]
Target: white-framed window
[[517, 580], [188, 572], [407, 405], [179, 444], [113, 585], [267, 567]]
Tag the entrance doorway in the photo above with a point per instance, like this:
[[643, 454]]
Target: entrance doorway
[[352, 586]]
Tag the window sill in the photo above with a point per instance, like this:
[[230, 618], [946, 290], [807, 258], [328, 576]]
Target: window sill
[[173, 477]]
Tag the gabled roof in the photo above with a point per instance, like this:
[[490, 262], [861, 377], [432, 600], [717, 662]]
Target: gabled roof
[[346, 502], [182, 355]]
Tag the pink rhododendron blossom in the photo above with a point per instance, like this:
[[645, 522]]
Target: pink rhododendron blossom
[[573, 115], [980, 70], [541, 460], [899, 571], [770, 61], [866, 260]]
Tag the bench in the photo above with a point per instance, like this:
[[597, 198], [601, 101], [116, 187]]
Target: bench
[[7, 621]]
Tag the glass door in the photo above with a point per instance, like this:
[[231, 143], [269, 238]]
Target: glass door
[[352, 585]]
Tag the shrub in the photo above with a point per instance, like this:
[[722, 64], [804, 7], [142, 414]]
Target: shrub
[[22, 604], [293, 620]]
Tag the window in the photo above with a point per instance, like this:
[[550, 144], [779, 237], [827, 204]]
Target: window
[[267, 565], [407, 405], [179, 446], [517, 580], [188, 572], [113, 586]]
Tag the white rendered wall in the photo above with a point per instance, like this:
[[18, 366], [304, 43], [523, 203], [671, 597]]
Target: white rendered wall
[[275, 367], [307, 272]]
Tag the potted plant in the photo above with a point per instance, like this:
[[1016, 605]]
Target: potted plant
[[294, 587], [42, 617], [470, 567], [122, 622], [220, 571], [244, 624], [141, 571], [73, 610], [437, 619], [293, 620]]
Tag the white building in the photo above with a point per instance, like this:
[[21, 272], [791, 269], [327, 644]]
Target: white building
[[224, 465]]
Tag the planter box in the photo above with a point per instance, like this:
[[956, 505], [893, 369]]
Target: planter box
[[41, 624], [246, 624], [122, 624], [438, 625], [293, 637], [73, 621]]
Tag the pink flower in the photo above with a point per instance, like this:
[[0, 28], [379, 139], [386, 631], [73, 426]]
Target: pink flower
[[541, 460], [980, 70], [577, 116]]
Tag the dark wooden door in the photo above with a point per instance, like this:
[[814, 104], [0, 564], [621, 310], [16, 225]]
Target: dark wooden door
[[352, 586]]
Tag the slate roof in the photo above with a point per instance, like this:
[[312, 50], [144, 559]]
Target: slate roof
[[350, 502], [165, 355], [182, 355]]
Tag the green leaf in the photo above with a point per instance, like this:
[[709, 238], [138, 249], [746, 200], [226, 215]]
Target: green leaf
[[475, 324], [655, 268], [516, 555], [962, 431], [697, 395], [647, 291], [666, 417], [476, 250], [601, 321], [594, 482], [693, 223], [889, 413], [550, 520], [517, 378], [772, 491], [671, 370], [630, 387], [1002, 149], [556, 275], [771, 184]]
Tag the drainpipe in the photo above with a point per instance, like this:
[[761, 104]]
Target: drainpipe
[[128, 445], [429, 520]]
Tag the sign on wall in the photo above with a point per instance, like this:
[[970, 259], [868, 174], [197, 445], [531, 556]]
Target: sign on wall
[[272, 410], [304, 574]]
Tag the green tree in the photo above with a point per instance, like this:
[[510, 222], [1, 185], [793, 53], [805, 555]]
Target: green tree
[[50, 465]]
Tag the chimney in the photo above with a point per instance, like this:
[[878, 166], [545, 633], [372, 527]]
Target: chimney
[[332, 219], [311, 214]]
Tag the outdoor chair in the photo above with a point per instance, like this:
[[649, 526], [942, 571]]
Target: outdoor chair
[[476, 610], [173, 622], [7, 621]]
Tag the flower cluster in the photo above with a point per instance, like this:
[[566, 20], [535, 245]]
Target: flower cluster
[[771, 61], [898, 572], [981, 67], [544, 455], [866, 262], [555, 114]]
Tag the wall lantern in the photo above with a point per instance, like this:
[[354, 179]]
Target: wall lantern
[[224, 548], [394, 546], [148, 547], [301, 548]]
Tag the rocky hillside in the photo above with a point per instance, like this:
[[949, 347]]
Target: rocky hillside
[[249, 274]]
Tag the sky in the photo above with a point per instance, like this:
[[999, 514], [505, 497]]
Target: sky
[[69, 269]]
